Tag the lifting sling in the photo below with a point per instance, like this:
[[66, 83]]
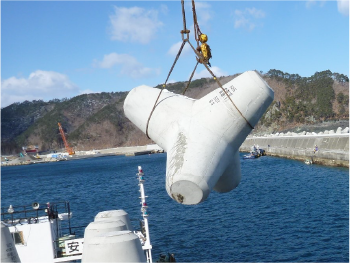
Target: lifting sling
[[203, 54]]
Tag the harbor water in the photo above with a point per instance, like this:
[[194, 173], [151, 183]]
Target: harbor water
[[283, 210]]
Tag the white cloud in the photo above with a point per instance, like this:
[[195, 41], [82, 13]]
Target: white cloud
[[255, 12], [248, 18], [130, 66], [134, 24], [87, 91], [164, 9], [203, 11], [112, 59], [200, 5], [343, 7], [174, 49], [205, 74], [310, 3], [40, 85], [319, 3]]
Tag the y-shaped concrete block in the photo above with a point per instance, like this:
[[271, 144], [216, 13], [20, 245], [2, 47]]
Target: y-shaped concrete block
[[202, 137]]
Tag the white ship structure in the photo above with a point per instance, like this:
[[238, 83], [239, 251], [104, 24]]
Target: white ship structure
[[43, 233]]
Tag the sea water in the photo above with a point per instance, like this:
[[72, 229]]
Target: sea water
[[283, 210]]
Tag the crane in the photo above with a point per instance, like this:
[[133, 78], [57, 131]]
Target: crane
[[69, 150]]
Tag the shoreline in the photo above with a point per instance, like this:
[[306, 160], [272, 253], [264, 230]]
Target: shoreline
[[332, 149], [58, 157]]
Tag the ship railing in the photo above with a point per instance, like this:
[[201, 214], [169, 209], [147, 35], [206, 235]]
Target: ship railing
[[36, 213]]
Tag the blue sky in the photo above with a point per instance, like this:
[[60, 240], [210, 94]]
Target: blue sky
[[63, 48]]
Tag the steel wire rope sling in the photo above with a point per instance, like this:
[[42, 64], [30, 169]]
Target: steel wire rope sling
[[200, 59]]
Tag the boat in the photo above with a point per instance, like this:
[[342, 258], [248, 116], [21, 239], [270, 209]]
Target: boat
[[44, 233], [255, 152], [31, 149], [308, 161], [252, 155]]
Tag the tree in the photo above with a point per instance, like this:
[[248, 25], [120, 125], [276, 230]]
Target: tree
[[340, 98]]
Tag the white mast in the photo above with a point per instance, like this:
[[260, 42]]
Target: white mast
[[147, 246]]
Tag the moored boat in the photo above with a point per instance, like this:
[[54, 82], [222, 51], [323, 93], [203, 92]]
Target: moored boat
[[31, 149], [250, 156], [255, 152]]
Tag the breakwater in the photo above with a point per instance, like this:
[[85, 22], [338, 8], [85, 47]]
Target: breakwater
[[328, 148]]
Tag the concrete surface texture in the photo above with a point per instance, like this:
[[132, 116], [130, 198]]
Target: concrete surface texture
[[327, 148]]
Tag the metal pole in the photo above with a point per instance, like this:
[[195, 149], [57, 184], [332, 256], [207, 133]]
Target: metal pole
[[147, 246]]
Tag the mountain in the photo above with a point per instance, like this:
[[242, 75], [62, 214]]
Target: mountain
[[96, 121], [305, 100]]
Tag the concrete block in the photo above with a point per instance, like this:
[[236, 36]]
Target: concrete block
[[333, 143], [324, 143], [311, 143], [278, 143], [289, 143], [293, 143], [342, 143], [318, 141], [299, 143], [346, 147], [283, 142], [346, 130], [304, 143]]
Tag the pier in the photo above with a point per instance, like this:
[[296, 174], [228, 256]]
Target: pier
[[328, 148]]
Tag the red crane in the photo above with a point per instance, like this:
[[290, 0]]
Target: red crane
[[68, 148]]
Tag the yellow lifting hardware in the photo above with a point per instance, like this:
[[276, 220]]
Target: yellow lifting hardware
[[204, 48], [202, 51]]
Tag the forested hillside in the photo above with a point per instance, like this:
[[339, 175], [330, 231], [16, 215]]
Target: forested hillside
[[302, 100], [95, 121]]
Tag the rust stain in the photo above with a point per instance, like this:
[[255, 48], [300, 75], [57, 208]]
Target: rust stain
[[178, 197]]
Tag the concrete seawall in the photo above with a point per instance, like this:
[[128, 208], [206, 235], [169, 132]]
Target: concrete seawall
[[333, 149]]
